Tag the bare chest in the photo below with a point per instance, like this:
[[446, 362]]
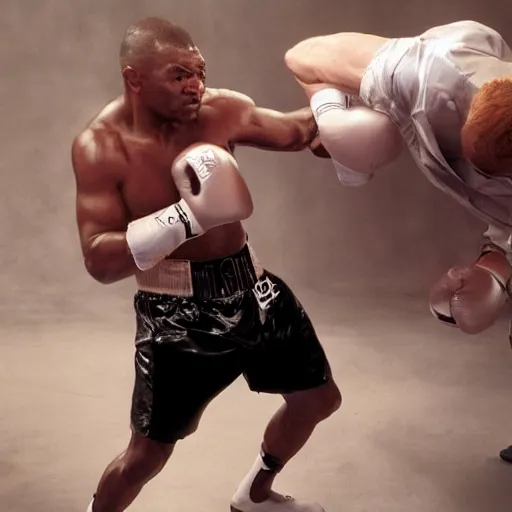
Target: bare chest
[[147, 184]]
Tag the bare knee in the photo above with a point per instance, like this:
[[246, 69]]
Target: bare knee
[[315, 405], [143, 460], [328, 400]]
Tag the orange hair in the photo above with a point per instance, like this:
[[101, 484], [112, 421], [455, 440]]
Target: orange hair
[[486, 136]]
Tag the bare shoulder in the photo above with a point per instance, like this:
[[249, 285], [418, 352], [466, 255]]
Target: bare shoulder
[[99, 150], [228, 102]]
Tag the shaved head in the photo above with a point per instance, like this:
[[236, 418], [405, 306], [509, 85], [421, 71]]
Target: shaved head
[[164, 72], [148, 35]]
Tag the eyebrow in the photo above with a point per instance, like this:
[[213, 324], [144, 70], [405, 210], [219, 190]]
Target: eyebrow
[[178, 67]]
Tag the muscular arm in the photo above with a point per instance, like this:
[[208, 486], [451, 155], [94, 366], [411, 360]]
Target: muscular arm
[[101, 215], [316, 61], [269, 129], [338, 60]]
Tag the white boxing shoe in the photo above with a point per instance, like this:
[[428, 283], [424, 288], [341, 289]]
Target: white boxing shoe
[[275, 503]]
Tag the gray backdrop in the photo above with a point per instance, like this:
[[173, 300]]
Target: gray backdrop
[[59, 67]]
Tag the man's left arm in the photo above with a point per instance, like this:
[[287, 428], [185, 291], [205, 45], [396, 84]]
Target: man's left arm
[[272, 130]]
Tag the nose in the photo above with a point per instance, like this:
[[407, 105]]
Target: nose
[[194, 87]]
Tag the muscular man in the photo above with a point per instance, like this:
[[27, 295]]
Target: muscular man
[[160, 197], [446, 93]]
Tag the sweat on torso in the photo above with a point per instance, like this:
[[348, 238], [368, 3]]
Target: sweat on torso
[[146, 184]]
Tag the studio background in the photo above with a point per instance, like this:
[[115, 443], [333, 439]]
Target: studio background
[[59, 67], [426, 409]]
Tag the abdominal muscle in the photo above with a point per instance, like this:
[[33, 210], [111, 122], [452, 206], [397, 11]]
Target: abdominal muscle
[[218, 242]]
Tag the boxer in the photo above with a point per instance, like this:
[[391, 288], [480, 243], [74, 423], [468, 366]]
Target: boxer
[[446, 93], [160, 197]]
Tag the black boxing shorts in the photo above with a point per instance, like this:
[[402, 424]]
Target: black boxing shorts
[[223, 318]]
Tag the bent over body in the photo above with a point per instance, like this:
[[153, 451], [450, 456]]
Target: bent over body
[[446, 93]]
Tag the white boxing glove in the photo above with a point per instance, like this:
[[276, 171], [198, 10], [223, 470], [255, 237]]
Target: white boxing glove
[[359, 139], [213, 193], [472, 297]]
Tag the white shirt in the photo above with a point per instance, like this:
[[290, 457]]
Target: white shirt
[[426, 85]]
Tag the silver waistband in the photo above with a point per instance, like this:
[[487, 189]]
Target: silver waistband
[[174, 277]]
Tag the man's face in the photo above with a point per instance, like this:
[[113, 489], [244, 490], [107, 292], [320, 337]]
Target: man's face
[[174, 83]]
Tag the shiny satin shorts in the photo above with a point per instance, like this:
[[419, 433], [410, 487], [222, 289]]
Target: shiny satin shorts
[[235, 321]]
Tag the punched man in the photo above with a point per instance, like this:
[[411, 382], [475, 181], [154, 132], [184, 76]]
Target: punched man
[[447, 93], [160, 197]]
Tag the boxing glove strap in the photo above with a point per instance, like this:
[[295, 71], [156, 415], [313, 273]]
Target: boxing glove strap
[[328, 99], [152, 238], [336, 103]]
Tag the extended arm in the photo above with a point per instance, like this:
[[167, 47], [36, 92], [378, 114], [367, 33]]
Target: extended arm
[[269, 129]]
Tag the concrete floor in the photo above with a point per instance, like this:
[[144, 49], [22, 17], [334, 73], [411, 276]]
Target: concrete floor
[[426, 411]]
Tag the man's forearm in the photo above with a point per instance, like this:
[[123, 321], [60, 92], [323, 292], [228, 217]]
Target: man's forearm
[[298, 130], [108, 259], [310, 128], [309, 138]]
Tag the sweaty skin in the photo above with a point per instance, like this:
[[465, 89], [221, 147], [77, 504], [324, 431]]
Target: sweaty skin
[[123, 174], [123, 164]]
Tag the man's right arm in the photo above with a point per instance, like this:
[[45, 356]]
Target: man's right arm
[[114, 247], [101, 214]]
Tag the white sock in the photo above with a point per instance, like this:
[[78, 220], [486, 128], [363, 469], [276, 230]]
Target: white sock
[[244, 489]]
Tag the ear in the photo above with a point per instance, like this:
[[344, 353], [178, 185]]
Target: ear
[[132, 79]]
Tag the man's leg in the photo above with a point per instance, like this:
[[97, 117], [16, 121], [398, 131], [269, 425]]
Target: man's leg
[[506, 453], [291, 362], [126, 475], [289, 430], [167, 407], [495, 236], [178, 372]]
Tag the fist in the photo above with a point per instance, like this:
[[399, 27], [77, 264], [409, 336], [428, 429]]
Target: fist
[[209, 182], [318, 149], [468, 297]]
